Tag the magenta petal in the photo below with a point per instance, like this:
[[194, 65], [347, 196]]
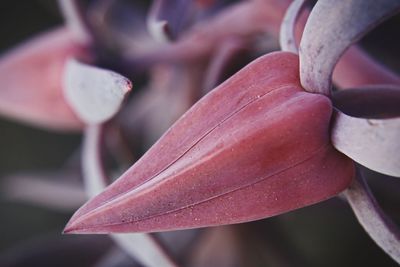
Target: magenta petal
[[31, 78], [256, 146]]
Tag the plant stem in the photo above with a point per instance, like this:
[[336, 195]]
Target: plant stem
[[372, 218]]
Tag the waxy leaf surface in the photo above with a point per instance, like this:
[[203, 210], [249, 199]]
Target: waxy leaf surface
[[256, 146]]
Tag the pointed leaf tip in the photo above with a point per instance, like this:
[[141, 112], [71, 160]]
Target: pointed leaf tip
[[95, 94], [256, 146]]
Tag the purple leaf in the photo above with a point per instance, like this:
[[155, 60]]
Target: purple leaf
[[331, 28], [371, 102], [379, 227], [74, 16], [167, 18], [287, 39], [95, 94]]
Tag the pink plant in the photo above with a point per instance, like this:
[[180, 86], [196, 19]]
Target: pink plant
[[41, 62], [254, 147], [272, 138]]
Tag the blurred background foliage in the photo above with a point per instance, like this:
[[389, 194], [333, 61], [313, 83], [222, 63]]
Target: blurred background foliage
[[326, 234], [23, 148]]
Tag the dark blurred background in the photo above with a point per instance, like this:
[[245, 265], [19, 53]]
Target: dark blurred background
[[23, 148]]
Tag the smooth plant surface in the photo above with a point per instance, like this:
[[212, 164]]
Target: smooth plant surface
[[220, 140], [261, 151]]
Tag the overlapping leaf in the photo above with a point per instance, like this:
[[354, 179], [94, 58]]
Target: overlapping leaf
[[256, 146]]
